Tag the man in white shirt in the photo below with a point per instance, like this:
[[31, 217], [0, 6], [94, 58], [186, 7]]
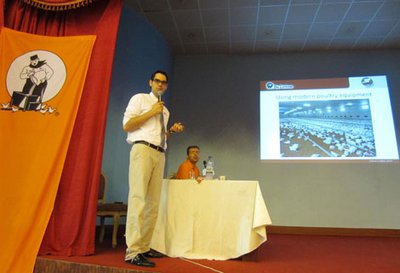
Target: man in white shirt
[[145, 120]]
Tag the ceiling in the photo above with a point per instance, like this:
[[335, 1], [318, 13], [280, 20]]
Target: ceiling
[[260, 26]]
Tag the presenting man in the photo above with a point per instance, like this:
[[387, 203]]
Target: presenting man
[[145, 120], [188, 169]]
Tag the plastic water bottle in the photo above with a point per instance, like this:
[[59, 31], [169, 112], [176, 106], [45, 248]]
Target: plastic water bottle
[[209, 170]]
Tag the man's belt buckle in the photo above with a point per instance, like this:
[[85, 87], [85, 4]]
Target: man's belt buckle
[[155, 147]]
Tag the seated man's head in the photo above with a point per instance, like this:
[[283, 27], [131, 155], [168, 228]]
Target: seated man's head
[[193, 153]]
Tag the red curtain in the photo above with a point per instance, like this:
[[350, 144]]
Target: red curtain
[[71, 229], [1, 13]]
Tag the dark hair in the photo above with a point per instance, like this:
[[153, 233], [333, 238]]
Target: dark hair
[[191, 147], [159, 72]]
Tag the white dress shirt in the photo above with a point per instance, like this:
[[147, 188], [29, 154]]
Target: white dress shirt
[[150, 130]]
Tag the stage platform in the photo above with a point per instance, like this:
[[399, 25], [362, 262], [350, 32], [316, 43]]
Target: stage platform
[[280, 254], [46, 265]]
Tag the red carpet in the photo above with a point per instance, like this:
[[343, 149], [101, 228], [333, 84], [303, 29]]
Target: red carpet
[[280, 254]]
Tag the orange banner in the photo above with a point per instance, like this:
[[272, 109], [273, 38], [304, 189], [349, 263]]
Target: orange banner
[[41, 82]]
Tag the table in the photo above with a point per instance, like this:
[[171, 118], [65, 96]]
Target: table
[[215, 219]]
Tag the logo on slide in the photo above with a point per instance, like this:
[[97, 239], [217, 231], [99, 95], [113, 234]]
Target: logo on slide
[[367, 82], [271, 85]]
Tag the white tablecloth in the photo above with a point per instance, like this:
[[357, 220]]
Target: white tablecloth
[[213, 220]]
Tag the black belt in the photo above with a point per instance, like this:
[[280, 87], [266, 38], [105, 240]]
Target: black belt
[[155, 147]]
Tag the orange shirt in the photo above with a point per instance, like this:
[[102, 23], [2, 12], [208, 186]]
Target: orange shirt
[[185, 168]]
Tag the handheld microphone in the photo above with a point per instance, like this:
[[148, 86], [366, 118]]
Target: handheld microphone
[[159, 94]]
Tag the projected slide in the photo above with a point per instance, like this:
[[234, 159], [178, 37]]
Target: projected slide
[[327, 119]]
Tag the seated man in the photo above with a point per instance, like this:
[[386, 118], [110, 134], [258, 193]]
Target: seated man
[[189, 169]]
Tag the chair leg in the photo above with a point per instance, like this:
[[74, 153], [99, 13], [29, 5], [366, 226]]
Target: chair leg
[[102, 229], [115, 230]]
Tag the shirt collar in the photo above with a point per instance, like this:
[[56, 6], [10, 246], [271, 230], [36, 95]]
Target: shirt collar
[[153, 96]]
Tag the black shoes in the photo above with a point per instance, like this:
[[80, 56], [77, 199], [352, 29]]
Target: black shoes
[[153, 254], [141, 260]]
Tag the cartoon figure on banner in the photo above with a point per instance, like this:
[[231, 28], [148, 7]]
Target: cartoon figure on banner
[[36, 75]]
